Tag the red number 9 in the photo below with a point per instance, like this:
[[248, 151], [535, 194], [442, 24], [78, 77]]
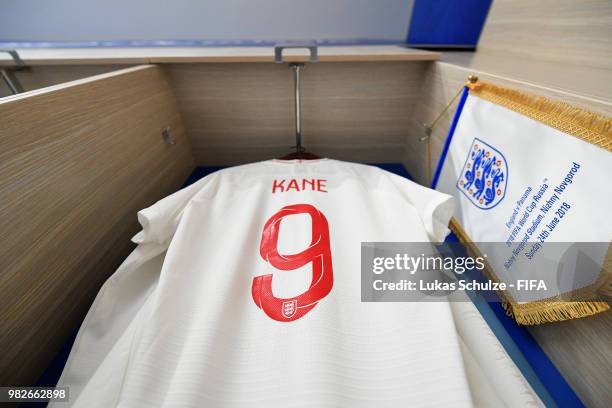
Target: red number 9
[[319, 253]]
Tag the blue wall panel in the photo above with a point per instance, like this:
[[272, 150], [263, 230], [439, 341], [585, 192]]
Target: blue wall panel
[[447, 23]]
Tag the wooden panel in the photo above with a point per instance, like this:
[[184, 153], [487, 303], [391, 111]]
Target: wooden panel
[[581, 349], [42, 76], [76, 162], [567, 32], [237, 113], [588, 82], [82, 56], [564, 44]]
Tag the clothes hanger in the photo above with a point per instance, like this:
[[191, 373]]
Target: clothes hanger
[[300, 152]]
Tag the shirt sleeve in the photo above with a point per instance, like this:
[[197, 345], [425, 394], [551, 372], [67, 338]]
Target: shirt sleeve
[[160, 221], [434, 208]]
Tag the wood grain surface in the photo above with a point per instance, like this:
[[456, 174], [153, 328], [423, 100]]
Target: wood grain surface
[[582, 351], [77, 161], [562, 44], [239, 113], [43, 76], [566, 32]]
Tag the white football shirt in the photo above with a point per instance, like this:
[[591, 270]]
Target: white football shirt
[[257, 299]]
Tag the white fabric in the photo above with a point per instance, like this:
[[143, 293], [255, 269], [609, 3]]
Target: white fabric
[[177, 324], [494, 379]]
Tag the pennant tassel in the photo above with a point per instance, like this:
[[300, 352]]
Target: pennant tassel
[[588, 126], [547, 312], [538, 312]]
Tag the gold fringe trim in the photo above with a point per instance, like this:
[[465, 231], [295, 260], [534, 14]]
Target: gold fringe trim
[[588, 126], [545, 311]]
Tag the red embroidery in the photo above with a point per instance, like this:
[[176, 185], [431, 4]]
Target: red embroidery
[[321, 185], [281, 186], [293, 185], [278, 185], [319, 253]]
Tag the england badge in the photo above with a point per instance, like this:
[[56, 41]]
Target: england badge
[[484, 176], [289, 308]]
